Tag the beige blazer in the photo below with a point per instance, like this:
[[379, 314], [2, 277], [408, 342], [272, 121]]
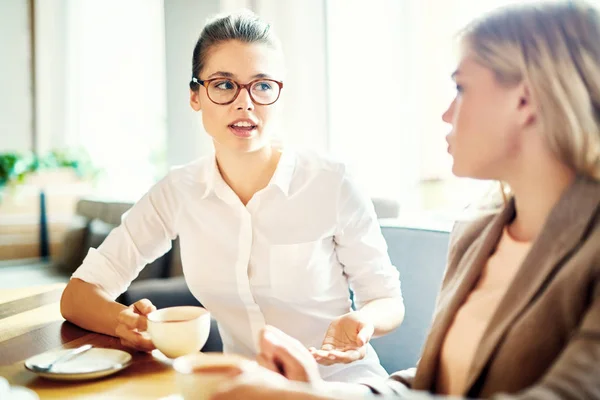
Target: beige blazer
[[543, 341]]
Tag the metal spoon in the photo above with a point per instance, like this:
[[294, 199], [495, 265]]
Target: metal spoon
[[65, 357]]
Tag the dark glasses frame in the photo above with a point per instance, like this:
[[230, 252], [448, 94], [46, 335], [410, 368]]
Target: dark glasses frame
[[240, 86]]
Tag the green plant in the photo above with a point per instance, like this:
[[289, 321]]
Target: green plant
[[15, 167], [78, 160]]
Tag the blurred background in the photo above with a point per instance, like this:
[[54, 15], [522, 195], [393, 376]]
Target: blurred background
[[94, 102]]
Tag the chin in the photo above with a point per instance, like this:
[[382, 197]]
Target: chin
[[471, 173], [249, 145], [455, 169], [461, 172]]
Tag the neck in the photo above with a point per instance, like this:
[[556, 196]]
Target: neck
[[247, 173], [536, 191]]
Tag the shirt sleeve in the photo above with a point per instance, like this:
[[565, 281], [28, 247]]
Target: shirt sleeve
[[397, 384], [145, 234], [361, 248]]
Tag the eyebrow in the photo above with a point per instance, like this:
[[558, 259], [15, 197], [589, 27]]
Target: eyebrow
[[230, 75], [455, 74]]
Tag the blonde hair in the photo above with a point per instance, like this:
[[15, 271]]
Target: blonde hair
[[555, 48]]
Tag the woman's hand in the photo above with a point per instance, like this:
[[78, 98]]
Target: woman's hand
[[254, 384], [280, 357], [285, 355], [346, 340], [131, 322]]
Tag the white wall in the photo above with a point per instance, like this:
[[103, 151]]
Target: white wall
[[184, 20], [300, 27], [51, 57], [15, 86], [370, 74], [116, 90]]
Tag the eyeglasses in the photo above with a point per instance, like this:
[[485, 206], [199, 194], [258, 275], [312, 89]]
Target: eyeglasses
[[224, 91]]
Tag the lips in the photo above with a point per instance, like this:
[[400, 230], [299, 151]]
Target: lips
[[244, 123], [243, 128]]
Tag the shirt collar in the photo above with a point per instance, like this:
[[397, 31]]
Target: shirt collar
[[284, 172], [282, 178], [211, 173]]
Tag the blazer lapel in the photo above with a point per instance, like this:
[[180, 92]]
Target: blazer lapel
[[562, 232], [469, 268]]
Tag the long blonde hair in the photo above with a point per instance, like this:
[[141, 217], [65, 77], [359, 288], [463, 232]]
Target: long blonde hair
[[555, 48]]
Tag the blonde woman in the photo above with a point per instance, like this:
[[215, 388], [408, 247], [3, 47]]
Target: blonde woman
[[518, 315]]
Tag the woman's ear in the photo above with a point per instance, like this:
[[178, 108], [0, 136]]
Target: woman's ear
[[195, 100], [527, 107]]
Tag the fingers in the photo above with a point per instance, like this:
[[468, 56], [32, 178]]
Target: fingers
[[133, 339], [271, 338], [131, 320], [134, 317], [347, 356], [318, 354], [268, 353], [327, 347], [339, 357], [291, 367], [141, 345], [266, 345], [266, 362], [286, 354], [365, 334], [143, 307]]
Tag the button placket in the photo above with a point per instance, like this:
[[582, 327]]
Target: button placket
[[255, 315]]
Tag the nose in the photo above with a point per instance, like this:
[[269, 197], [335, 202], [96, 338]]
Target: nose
[[448, 115], [243, 100]]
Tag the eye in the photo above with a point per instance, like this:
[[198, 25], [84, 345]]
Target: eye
[[263, 86], [224, 84], [459, 88]]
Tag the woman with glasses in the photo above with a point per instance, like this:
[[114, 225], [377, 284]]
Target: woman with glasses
[[268, 235], [518, 314]]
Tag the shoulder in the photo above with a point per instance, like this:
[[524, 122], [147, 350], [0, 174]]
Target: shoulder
[[182, 182], [468, 228], [326, 171], [187, 176], [464, 233], [196, 170], [313, 161]]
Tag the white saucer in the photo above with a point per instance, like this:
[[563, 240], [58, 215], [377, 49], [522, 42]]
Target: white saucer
[[21, 393], [94, 363], [8, 392], [159, 356]]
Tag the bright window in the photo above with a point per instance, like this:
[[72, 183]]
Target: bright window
[[389, 66], [116, 88]]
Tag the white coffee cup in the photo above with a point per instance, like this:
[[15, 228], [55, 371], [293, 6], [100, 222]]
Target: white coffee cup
[[200, 375], [177, 331]]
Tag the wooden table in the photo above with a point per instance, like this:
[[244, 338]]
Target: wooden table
[[30, 324]]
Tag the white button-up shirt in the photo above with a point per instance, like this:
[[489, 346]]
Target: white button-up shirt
[[287, 258]]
